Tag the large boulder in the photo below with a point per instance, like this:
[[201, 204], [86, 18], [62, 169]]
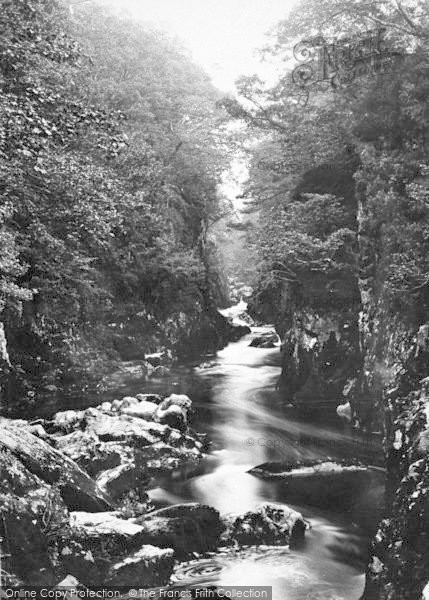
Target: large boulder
[[93, 542], [148, 567], [77, 489], [30, 511], [186, 528], [272, 524]]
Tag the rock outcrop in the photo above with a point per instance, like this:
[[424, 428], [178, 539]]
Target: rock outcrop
[[73, 486], [399, 564], [320, 356], [78, 490]]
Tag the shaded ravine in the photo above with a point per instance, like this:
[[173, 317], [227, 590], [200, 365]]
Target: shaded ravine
[[237, 405]]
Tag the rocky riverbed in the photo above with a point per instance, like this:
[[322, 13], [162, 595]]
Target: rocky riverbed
[[74, 502]]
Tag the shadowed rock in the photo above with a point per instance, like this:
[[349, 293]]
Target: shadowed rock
[[78, 490], [267, 340], [29, 510], [185, 527]]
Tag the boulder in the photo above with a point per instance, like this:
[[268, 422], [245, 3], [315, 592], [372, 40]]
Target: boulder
[[271, 524], [347, 484], [173, 411], [156, 358], [176, 400], [266, 340], [174, 416], [77, 489], [66, 421], [207, 365], [30, 510], [79, 562], [236, 332], [105, 524], [142, 410], [133, 430], [148, 567], [296, 470], [116, 405], [344, 411], [161, 458], [93, 542], [186, 528], [126, 477], [92, 455], [149, 398]]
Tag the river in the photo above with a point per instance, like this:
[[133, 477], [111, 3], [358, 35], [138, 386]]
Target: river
[[237, 404]]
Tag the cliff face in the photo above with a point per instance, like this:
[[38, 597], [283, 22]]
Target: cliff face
[[320, 358], [393, 390], [371, 356]]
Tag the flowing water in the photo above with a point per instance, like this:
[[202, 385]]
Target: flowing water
[[238, 406]]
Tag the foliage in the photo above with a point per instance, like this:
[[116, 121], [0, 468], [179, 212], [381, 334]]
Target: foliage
[[308, 245], [111, 147], [372, 131]]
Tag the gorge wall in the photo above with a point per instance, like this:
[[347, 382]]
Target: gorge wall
[[358, 348]]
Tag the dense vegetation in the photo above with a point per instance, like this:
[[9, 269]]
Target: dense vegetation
[[111, 147], [331, 151]]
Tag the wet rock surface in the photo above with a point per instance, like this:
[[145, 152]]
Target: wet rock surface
[[271, 524]]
